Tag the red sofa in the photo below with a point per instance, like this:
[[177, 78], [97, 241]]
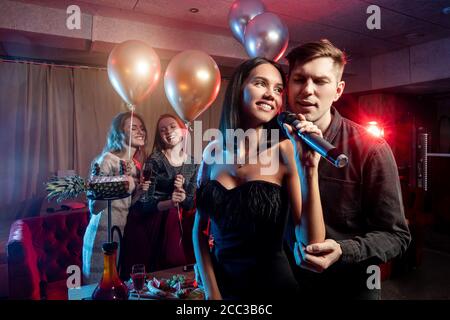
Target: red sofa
[[40, 249]]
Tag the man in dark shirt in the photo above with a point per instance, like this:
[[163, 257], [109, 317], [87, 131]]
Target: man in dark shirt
[[362, 206]]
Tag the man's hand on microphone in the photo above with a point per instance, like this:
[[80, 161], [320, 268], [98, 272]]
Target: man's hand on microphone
[[308, 157]]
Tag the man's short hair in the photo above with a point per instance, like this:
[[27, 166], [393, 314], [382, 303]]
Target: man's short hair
[[318, 49]]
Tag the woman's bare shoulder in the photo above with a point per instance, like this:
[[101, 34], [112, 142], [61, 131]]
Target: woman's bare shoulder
[[286, 148]]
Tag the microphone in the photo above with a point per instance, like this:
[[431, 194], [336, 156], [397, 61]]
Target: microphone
[[316, 143]]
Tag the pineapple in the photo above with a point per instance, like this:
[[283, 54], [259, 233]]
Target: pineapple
[[97, 187], [65, 188]]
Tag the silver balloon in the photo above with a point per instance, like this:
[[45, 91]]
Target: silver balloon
[[266, 36], [241, 12]]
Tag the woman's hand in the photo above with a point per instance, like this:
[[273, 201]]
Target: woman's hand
[[178, 196], [308, 157], [179, 181], [143, 187]]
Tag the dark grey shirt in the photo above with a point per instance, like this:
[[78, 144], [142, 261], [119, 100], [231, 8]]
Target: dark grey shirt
[[362, 202]]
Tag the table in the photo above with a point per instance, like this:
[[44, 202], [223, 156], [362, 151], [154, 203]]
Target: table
[[85, 292]]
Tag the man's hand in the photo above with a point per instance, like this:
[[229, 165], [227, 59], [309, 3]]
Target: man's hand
[[317, 257]]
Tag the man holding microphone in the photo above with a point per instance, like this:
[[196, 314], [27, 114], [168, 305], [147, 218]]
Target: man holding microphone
[[362, 203]]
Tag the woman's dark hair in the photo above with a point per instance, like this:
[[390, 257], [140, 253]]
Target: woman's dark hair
[[159, 144], [231, 117]]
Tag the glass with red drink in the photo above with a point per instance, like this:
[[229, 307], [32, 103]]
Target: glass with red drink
[[138, 277]]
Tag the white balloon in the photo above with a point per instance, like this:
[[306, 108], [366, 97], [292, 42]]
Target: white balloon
[[241, 12], [266, 36]]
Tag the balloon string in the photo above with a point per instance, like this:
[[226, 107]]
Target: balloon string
[[180, 215], [180, 223], [131, 131], [189, 128]]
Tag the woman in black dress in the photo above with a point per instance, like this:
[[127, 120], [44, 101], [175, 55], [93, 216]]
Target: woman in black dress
[[159, 230], [247, 203]]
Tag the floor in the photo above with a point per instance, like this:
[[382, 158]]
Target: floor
[[430, 280]]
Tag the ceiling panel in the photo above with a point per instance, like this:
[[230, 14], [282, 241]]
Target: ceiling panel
[[428, 10], [394, 26], [355, 44], [121, 4], [319, 10], [210, 12]]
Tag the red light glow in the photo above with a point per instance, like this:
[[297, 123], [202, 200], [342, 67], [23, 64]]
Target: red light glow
[[374, 129]]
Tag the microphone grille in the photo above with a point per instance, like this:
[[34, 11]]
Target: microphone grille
[[286, 117]]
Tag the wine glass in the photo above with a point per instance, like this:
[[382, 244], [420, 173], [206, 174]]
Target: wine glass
[[146, 174], [138, 277]]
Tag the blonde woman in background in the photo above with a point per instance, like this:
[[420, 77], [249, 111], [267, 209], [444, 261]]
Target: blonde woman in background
[[116, 151]]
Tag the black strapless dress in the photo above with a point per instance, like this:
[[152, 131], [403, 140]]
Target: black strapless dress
[[247, 224]]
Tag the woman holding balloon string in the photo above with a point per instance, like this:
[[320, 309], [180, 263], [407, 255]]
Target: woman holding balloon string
[[122, 141], [159, 233], [247, 207]]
